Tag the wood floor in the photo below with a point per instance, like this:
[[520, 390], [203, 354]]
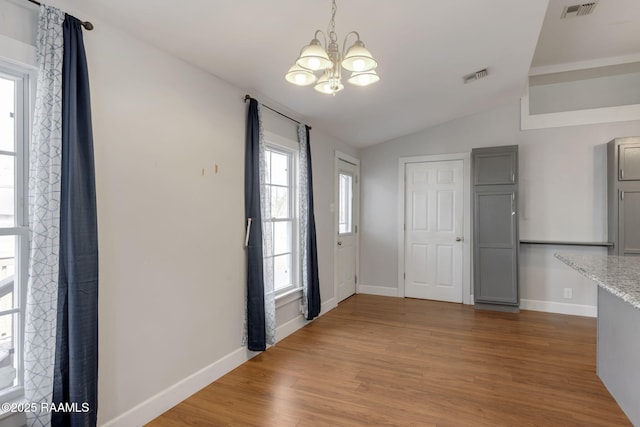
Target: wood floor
[[401, 362]]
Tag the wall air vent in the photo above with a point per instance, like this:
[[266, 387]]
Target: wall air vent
[[475, 76], [578, 10]]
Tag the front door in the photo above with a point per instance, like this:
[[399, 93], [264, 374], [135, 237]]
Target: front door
[[346, 251], [433, 230]]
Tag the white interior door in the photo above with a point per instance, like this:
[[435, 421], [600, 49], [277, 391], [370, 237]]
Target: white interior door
[[433, 230], [347, 222]]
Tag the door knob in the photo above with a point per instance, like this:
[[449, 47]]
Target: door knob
[[458, 239], [339, 243]]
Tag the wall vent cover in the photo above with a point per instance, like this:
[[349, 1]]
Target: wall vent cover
[[475, 76], [578, 10]]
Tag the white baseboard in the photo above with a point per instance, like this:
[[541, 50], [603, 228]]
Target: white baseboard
[[559, 307], [170, 397], [167, 399], [327, 306], [290, 327], [378, 290]]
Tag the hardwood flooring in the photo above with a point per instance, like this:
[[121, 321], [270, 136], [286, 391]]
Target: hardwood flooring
[[403, 362]]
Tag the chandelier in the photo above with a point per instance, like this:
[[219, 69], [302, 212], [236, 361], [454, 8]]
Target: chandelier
[[328, 62]]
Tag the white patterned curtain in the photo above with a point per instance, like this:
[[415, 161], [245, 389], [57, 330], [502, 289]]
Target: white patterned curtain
[[267, 245], [44, 216]]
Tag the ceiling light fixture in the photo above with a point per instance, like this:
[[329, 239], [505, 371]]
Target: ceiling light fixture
[[329, 61]]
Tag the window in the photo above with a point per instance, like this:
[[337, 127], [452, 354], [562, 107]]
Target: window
[[281, 225], [345, 208], [14, 235]]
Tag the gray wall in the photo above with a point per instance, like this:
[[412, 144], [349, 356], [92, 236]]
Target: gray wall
[[562, 184]]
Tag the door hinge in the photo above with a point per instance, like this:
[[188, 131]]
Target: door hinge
[[356, 228], [404, 276], [621, 173], [622, 195], [356, 177], [356, 279]]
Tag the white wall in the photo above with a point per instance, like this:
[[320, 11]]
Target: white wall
[[563, 197], [17, 21], [610, 86], [171, 256], [171, 230]]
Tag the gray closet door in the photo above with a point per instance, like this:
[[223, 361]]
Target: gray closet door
[[495, 166], [496, 247], [623, 195], [629, 162], [629, 222]]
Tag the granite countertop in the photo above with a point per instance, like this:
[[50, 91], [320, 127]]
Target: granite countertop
[[617, 274]]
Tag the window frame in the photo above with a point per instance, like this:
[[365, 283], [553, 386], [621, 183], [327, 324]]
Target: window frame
[[281, 145], [24, 78]]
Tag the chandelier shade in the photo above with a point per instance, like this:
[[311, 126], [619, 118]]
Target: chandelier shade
[[300, 76], [358, 58], [363, 78], [314, 57], [328, 61]]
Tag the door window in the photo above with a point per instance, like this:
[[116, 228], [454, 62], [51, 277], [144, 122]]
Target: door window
[[345, 200]]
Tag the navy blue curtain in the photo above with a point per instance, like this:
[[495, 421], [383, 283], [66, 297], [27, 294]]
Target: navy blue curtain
[[256, 332], [76, 364], [313, 292]]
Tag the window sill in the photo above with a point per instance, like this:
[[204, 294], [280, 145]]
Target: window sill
[[288, 297]]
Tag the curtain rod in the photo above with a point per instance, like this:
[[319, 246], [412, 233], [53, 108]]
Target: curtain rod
[[248, 97], [86, 24]]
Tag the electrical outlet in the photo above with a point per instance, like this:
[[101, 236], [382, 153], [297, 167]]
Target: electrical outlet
[[568, 293]]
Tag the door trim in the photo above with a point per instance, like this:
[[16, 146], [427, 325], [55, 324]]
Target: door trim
[[467, 296], [356, 215]]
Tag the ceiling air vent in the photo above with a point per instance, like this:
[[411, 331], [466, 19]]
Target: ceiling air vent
[[475, 76], [578, 10]]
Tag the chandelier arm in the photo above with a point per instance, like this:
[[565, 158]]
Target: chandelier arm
[[324, 36], [344, 44]]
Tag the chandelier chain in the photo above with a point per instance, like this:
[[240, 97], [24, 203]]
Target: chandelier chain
[[332, 23]]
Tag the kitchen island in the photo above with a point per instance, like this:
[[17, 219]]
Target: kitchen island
[[618, 359]]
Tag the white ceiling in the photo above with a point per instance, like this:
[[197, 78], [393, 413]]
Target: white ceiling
[[423, 48]]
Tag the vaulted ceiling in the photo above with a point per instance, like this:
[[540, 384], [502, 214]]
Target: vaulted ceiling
[[423, 47]]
